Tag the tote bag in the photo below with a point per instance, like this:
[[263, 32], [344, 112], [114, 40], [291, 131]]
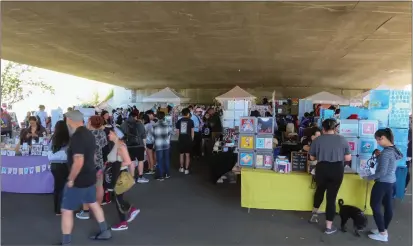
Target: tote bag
[[124, 182]]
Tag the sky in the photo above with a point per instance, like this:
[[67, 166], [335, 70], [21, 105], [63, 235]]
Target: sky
[[68, 90]]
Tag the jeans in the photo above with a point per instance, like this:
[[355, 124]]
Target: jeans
[[381, 195], [328, 177], [60, 173], [163, 160]]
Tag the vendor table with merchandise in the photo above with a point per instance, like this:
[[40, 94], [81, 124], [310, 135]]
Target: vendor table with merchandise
[[266, 189], [26, 174]]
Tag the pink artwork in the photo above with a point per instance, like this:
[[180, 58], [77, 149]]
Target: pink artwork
[[352, 146], [368, 128]]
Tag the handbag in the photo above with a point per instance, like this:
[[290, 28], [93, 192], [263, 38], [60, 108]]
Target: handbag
[[124, 182]]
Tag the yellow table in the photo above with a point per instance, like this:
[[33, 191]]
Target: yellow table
[[266, 189]]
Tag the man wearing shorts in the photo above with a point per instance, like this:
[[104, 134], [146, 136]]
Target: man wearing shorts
[[185, 127], [136, 141], [81, 184]]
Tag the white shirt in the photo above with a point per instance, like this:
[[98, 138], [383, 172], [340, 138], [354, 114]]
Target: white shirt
[[43, 117]]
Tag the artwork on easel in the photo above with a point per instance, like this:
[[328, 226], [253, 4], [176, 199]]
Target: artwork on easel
[[246, 159], [246, 142], [265, 125], [247, 125]]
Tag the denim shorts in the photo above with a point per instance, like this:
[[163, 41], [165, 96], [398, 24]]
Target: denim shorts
[[74, 197]]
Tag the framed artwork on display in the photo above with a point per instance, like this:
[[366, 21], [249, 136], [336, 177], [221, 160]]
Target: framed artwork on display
[[367, 146], [367, 128], [264, 160], [265, 125], [259, 160], [246, 142], [37, 149], [349, 128], [247, 124], [246, 159], [353, 144], [379, 99], [264, 143]]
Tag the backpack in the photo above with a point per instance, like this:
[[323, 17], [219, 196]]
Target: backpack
[[132, 138]]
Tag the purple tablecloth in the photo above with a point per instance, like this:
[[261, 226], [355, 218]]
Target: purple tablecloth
[[26, 174]]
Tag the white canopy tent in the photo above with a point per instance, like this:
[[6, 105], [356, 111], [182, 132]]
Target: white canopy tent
[[327, 98], [236, 93], [166, 95]]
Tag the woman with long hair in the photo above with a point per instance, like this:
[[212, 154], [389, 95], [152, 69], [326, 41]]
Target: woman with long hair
[[33, 132], [150, 153], [385, 179], [58, 161], [120, 161], [95, 125], [331, 151]]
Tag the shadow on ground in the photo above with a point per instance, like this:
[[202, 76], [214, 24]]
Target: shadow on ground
[[186, 210]]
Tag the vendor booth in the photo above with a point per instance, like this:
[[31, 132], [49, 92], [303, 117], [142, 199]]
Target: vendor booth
[[327, 98], [26, 174], [289, 185]]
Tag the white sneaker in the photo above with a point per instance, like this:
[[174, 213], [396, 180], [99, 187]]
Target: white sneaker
[[379, 237], [143, 180], [82, 215], [220, 181], [186, 171], [181, 170]]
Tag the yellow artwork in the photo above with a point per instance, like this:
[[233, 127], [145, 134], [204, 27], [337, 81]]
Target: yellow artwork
[[247, 142]]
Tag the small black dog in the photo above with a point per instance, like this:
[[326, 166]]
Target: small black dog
[[354, 213]]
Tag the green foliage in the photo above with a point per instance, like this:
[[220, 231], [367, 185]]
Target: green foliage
[[17, 83], [110, 95], [90, 102]]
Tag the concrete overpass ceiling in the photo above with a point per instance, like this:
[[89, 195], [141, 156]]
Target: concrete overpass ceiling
[[346, 45]]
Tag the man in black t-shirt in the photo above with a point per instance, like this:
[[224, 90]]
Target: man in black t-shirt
[[80, 187], [185, 127]]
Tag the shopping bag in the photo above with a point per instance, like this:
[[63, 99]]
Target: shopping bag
[[124, 182]]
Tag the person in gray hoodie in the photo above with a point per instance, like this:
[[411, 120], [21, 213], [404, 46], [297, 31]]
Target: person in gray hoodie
[[385, 179], [135, 138]]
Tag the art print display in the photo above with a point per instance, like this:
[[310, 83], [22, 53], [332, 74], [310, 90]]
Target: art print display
[[264, 143], [379, 99], [37, 149], [246, 142], [259, 161], [264, 160], [367, 128], [400, 99], [382, 117], [247, 125], [399, 118], [349, 128], [265, 125], [366, 165], [353, 145], [246, 159], [367, 146]]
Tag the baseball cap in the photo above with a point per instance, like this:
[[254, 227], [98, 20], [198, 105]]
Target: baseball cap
[[75, 116]]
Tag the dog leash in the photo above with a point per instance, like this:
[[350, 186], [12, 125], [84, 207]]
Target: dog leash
[[365, 199]]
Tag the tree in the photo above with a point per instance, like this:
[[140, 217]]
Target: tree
[[93, 101], [17, 83]]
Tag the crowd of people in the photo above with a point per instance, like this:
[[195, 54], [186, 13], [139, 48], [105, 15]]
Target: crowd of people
[[87, 160]]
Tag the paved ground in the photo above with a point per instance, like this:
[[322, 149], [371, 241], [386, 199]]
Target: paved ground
[[185, 211]]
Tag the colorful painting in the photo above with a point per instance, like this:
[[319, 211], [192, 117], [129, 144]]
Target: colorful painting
[[268, 161], [260, 143], [265, 125], [246, 142], [246, 159], [367, 146], [247, 125], [379, 99], [367, 128], [353, 144]]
